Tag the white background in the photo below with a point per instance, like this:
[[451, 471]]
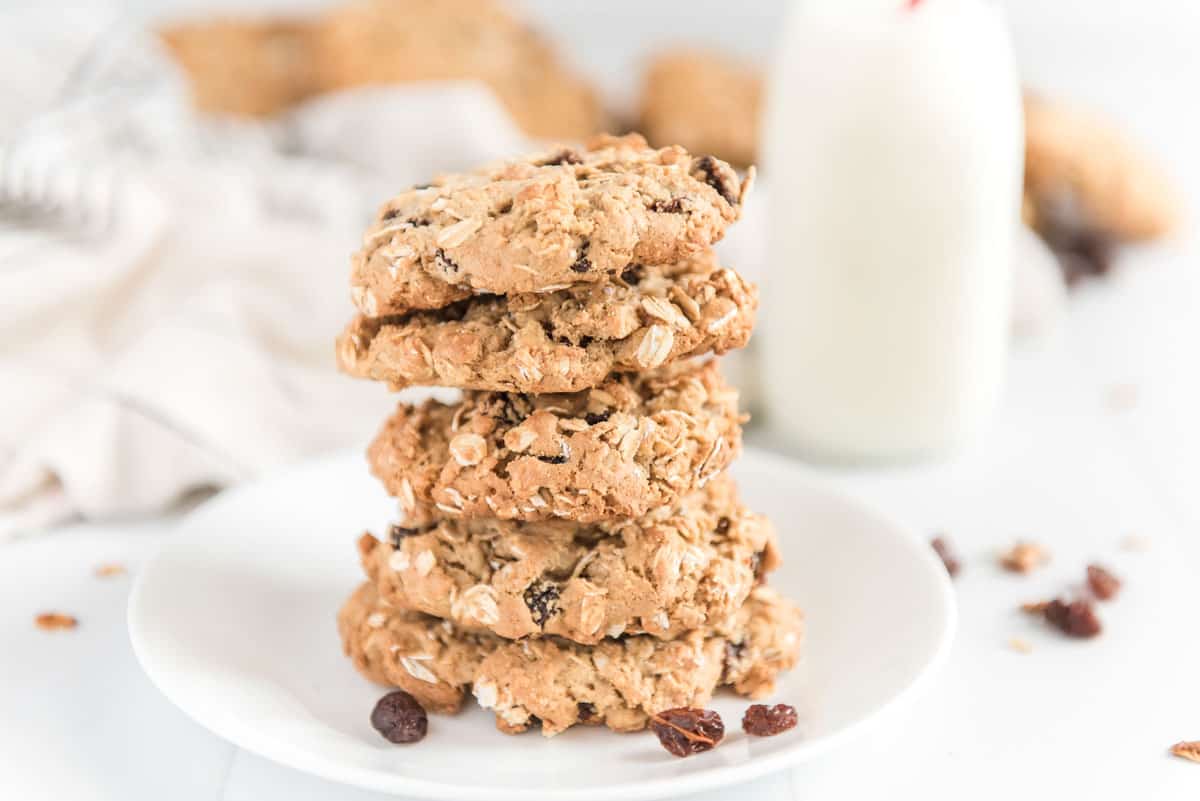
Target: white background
[[1068, 720]]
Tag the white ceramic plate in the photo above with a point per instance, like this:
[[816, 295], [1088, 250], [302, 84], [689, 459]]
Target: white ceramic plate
[[234, 621]]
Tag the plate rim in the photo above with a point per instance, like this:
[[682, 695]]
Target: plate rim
[[704, 778]]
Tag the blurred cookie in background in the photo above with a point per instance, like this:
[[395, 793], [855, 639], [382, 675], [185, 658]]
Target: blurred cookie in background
[[706, 101], [398, 41], [245, 67], [1088, 188], [261, 68]]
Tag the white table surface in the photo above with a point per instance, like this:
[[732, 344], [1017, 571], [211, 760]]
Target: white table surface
[[1071, 719]]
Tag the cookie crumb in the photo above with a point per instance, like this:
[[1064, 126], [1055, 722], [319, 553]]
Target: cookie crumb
[[1103, 584], [1137, 543], [55, 621], [1121, 397], [1187, 749], [1024, 557], [946, 553], [109, 570], [1021, 646]]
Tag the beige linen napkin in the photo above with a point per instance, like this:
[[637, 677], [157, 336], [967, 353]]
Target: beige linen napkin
[[170, 326]]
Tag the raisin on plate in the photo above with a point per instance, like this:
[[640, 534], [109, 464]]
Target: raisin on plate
[[685, 731], [400, 718], [767, 721]]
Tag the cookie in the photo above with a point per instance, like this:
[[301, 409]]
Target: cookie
[[427, 657], [1084, 178], [547, 100], [617, 683], [668, 572], [245, 67], [635, 443], [704, 101], [564, 217], [400, 41], [562, 341]]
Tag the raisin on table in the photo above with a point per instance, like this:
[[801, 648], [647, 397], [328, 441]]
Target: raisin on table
[[1074, 618], [1103, 584]]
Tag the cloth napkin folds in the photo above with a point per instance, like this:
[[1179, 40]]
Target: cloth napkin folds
[[168, 308]]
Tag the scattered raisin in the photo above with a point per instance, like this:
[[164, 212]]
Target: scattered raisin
[[582, 264], [1075, 619], [399, 718], [418, 222], [505, 207], [541, 599], [767, 721], [672, 206], [444, 262], [723, 526], [1103, 584], [419, 187], [686, 731], [632, 274], [562, 157], [591, 418], [942, 548], [710, 170], [587, 711], [397, 534], [390, 214]]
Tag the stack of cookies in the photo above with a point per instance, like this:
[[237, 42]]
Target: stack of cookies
[[571, 550]]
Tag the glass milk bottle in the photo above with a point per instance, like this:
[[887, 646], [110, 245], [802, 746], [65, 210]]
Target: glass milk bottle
[[894, 150]]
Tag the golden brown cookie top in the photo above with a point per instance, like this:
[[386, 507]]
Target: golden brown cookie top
[[562, 217]]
